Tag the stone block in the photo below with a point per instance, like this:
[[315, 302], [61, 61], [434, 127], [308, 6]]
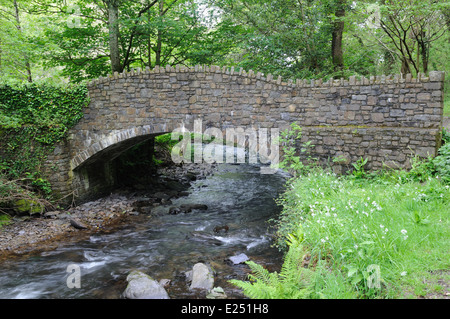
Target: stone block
[[437, 76], [378, 117]]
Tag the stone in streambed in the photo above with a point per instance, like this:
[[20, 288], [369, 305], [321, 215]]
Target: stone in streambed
[[202, 277], [239, 259], [142, 286], [216, 293], [186, 208], [78, 224]]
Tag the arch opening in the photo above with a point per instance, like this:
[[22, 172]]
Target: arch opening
[[121, 164]]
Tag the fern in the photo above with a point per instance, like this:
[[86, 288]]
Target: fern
[[293, 281]]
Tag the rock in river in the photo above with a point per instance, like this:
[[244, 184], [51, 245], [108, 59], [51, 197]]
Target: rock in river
[[202, 277], [78, 224], [142, 286], [239, 259]]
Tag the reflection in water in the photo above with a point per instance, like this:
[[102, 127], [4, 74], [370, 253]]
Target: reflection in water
[[240, 202]]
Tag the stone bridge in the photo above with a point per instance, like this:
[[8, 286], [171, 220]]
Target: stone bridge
[[383, 118]]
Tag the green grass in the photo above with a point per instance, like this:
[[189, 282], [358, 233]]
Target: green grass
[[353, 226]]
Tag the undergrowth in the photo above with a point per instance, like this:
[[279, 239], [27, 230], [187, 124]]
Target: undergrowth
[[365, 235]]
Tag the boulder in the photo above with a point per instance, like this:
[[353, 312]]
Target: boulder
[[239, 259], [142, 286], [28, 206], [202, 277]]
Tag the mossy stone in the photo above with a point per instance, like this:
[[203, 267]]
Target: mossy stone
[[28, 206]]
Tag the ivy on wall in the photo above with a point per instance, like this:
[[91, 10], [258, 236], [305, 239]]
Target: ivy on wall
[[33, 118]]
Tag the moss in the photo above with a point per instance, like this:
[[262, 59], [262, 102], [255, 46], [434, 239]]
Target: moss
[[24, 206]]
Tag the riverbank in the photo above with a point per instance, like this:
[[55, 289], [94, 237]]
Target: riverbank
[[32, 234], [384, 236]]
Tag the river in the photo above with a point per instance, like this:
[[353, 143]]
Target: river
[[240, 202]]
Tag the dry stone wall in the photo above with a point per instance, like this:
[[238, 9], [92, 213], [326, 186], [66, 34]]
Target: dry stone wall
[[384, 118]]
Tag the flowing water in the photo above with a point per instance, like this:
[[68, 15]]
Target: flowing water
[[164, 246]]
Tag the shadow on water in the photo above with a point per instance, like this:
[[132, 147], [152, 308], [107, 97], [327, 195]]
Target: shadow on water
[[239, 201]]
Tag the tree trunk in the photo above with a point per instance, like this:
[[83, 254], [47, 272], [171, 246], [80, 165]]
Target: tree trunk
[[25, 55], [159, 35], [113, 26], [149, 42], [425, 51], [338, 30], [405, 69]]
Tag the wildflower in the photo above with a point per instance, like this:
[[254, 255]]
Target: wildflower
[[356, 246], [404, 273], [403, 231], [381, 226]]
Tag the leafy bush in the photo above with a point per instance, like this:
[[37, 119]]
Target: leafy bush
[[296, 161]]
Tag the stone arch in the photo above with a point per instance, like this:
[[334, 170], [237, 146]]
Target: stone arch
[[115, 142]]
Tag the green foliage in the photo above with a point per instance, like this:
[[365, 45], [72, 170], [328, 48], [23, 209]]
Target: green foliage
[[373, 222], [359, 171], [165, 141], [442, 163], [33, 118], [293, 281], [296, 162]]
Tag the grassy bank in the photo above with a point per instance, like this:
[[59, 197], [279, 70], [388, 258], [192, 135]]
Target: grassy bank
[[361, 235], [400, 228]]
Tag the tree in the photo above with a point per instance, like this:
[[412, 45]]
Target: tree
[[117, 35], [16, 54], [407, 29], [337, 35], [284, 37]]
